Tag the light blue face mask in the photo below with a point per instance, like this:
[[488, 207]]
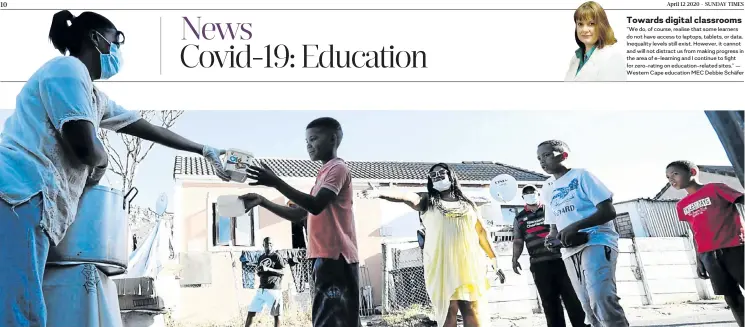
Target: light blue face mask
[[111, 62]]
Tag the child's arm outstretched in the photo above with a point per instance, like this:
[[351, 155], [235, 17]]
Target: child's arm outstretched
[[313, 204], [293, 214]]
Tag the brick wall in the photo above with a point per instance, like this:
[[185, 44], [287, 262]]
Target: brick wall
[[623, 226]]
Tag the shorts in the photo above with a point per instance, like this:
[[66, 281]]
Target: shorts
[[267, 298], [336, 302], [725, 269]]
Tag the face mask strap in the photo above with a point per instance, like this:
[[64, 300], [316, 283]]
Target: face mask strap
[[105, 40]]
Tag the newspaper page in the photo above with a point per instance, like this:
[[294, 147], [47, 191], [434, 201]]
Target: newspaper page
[[410, 163]]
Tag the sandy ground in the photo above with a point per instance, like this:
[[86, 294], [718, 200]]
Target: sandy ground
[[702, 313], [713, 313]]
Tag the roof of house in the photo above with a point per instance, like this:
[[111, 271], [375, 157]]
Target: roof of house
[[719, 170], [384, 170], [645, 199]]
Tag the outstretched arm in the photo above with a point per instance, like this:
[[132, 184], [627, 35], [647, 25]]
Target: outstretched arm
[[334, 180], [163, 136], [313, 204], [415, 201], [293, 214]]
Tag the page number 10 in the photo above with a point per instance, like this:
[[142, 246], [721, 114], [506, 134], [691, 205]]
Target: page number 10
[[3, 4]]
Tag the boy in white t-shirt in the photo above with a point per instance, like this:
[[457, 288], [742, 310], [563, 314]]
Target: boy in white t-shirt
[[580, 210]]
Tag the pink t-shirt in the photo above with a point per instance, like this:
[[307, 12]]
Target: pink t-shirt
[[332, 232]]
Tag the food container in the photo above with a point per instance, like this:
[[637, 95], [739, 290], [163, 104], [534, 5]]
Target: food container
[[236, 163], [230, 206], [99, 233]]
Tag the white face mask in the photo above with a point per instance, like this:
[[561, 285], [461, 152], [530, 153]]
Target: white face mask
[[442, 185], [531, 199]]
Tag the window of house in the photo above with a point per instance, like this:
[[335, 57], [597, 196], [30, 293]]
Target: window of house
[[233, 231]]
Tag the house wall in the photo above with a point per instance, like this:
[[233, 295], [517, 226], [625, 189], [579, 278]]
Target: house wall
[[519, 295], [657, 222], [669, 269], [225, 294], [731, 181], [634, 217], [629, 281], [623, 226]]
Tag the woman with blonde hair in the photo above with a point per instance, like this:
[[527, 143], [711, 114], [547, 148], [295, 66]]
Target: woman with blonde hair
[[598, 57], [455, 251]]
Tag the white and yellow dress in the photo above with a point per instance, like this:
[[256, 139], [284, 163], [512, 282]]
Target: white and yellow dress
[[455, 265]]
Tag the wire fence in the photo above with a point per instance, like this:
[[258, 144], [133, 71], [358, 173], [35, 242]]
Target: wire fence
[[298, 285], [403, 277], [403, 287]]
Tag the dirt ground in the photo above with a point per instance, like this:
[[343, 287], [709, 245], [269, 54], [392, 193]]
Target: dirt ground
[[415, 317], [636, 315]]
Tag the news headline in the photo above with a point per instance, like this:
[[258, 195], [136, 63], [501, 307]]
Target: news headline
[[194, 54], [683, 20]]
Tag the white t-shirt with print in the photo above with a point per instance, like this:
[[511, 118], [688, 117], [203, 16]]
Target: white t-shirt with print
[[574, 197]]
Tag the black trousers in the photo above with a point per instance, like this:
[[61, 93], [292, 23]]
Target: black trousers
[[725, 268], [553, 286], [336, 302]]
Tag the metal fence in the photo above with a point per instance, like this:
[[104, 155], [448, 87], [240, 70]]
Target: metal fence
[[403, 277], [660, 218], [403, 288], [298, 285]]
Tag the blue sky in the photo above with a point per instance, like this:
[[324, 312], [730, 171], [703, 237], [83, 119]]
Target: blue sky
[[627, 150]]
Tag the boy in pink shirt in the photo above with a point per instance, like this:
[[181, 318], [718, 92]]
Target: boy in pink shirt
[[332, 237]]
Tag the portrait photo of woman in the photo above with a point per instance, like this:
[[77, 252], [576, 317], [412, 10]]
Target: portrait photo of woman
[[598, 58]]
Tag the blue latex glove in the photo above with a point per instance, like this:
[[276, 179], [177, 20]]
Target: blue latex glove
[[213, 157]]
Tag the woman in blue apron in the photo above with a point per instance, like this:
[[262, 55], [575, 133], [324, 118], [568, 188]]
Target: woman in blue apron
[[49, 152]]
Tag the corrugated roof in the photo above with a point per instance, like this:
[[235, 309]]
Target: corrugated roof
[[645, 199], [719, 170], [467, 171]]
